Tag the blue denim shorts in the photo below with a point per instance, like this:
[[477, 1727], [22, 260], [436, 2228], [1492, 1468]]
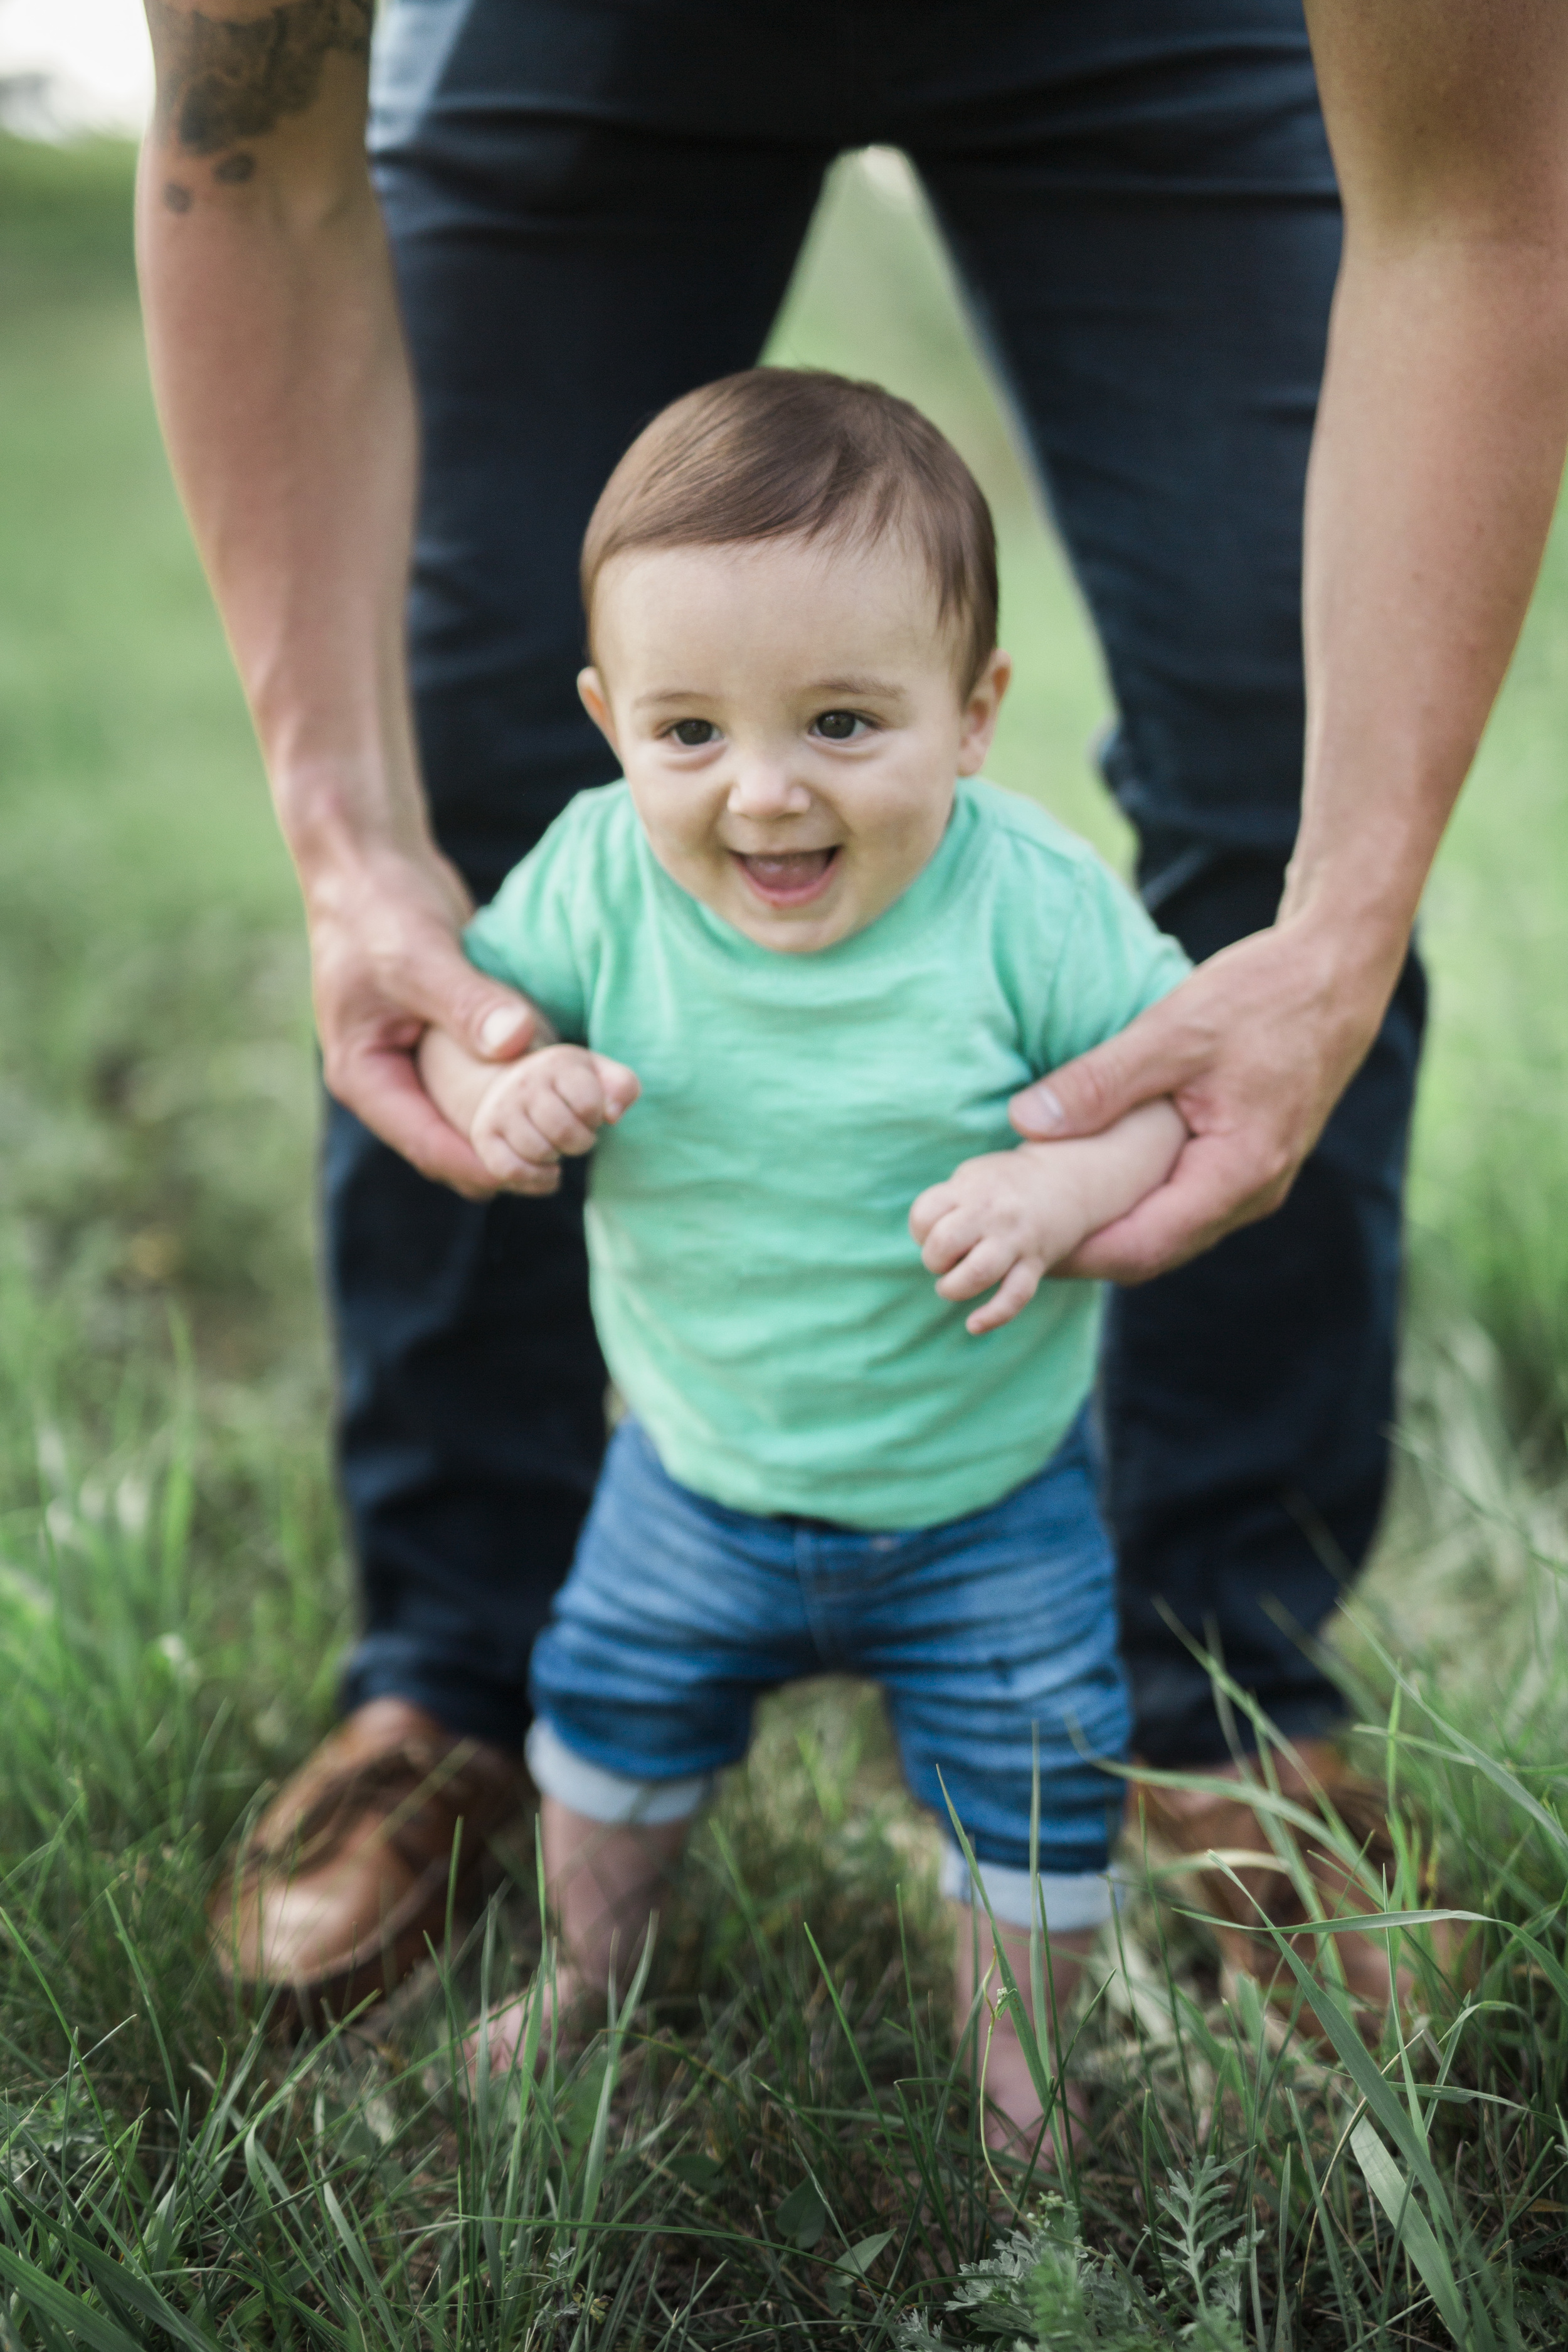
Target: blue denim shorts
[[994, 1638]]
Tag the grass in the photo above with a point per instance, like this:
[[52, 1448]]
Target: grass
[[771, 2143]]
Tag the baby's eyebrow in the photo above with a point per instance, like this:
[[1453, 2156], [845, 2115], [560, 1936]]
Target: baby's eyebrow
[[821, 689], [869, 689]]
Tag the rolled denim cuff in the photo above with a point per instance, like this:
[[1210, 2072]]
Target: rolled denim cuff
[[1082, 1899], [608, 1797]]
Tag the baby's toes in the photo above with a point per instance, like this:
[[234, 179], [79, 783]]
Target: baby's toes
[[499, 2044]]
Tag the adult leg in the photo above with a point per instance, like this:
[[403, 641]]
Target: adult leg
[[562, 278], [1152, 236]]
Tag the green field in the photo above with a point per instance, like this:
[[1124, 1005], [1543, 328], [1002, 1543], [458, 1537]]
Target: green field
[[172, 1592]]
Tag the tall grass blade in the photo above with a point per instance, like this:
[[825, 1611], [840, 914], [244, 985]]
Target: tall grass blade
[[1396, 2196]]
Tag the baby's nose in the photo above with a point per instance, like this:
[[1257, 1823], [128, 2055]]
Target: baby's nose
[[766, 788]]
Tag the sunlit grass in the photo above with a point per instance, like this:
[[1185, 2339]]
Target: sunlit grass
[[775, 2135]]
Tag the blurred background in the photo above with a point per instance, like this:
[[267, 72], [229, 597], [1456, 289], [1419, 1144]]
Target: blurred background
[[73, 66], [157, 1084]]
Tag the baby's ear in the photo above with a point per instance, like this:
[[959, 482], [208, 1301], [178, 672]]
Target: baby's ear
[[596, 702], [981, 709]]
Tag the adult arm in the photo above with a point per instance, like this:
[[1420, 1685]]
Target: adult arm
[[1434, 471], [283, 386]]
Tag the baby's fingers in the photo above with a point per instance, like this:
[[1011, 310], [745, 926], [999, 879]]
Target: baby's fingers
[[619, 1088], [955, 1232], [538, 1175], [932, 1203], [585, 1092], [570, 1110], [980, 1266], [1018, 1286]]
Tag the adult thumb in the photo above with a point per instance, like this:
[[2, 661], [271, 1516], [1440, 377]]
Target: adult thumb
[[505, 1029], [1101, 1087], [493, 1020]]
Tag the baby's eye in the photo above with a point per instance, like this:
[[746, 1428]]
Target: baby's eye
[[694, 731], [839, 726]]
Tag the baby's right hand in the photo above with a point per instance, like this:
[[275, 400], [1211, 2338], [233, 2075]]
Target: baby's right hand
[[548, 1103]]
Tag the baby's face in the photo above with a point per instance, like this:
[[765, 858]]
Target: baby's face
[[789, 721]]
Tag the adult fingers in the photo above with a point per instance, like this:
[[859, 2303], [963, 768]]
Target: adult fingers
[[1018, 1286], [1218, 1184], [373, 1001], [381, 1085], [439, 983], [1156, 1055]]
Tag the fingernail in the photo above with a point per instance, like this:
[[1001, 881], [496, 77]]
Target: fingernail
[[1048, 1105], [498, 1027]]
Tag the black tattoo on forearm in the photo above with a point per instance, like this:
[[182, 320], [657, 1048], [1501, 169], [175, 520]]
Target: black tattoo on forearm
[[222, 79]]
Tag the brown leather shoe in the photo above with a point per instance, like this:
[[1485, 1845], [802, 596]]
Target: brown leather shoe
[[1179, 1822], [346, 1876]]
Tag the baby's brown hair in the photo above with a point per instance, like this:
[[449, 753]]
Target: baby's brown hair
[[799, 453]]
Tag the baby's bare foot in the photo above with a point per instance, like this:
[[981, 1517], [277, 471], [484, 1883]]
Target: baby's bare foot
[[1014, 2113], [1068, 2127], [499, 2044]]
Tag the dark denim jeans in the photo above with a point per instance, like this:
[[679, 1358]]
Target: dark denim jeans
[[595, 205]]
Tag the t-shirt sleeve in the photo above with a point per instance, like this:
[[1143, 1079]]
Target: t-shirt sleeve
[[533, 934], [1115, 962]]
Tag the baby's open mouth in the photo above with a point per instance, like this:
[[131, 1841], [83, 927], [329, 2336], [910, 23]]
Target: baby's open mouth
[[787, 878]]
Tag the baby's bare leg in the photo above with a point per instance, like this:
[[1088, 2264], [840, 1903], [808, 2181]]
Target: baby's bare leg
[[1013, 2102], [602, 1881]]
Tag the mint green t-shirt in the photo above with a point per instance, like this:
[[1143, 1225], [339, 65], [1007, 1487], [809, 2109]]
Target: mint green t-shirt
[[761, 1303]]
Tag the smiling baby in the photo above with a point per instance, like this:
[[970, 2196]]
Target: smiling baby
[[794, 967]]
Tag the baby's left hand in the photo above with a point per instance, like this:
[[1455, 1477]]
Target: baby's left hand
[[997, 1218]]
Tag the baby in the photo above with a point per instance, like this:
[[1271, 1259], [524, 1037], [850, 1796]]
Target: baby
[[794, 967]]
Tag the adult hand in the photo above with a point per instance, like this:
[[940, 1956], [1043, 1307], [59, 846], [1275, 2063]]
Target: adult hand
[[1256, 1048], [386, 964]]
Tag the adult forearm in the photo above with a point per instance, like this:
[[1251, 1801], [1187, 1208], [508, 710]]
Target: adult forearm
[[1434, 476], [1440, 433], [284, 388], [282, 383]]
